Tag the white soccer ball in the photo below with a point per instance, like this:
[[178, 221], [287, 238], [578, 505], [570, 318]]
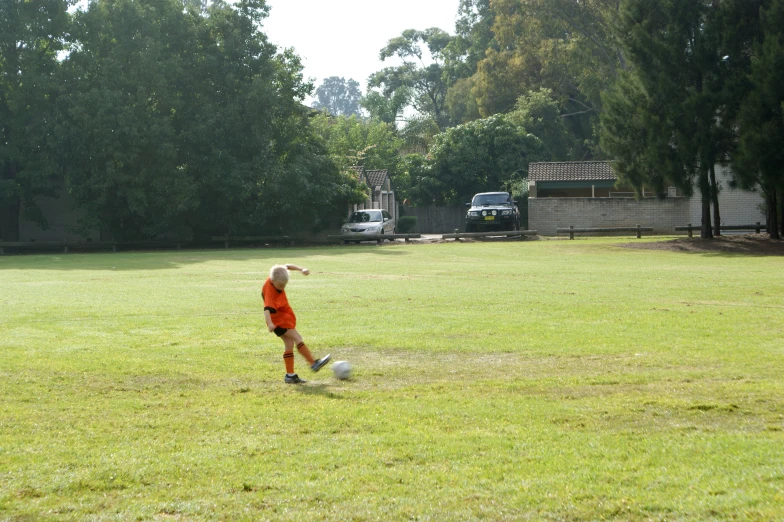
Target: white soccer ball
[[341, 369]]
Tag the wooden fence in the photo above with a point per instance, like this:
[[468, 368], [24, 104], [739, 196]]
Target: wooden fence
[[436, 220], [602, 230], [757, 228]]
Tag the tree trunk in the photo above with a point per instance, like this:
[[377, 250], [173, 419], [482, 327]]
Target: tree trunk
[[705, 192], [773, 226], [9, 221], [781, 218], [715, 198], [781, 221]]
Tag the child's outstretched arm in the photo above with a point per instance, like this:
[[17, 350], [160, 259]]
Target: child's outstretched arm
[[304, 271], [268, 318]]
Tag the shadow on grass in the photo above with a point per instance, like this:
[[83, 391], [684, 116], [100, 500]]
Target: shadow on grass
[[756, 245], [172, 259], [318, 389]]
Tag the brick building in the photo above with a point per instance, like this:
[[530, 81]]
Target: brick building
[[587, 194]]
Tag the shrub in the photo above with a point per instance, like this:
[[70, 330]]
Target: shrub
[[406, 224]]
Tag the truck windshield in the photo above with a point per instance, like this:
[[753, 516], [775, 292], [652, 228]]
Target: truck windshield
[[491, 199]]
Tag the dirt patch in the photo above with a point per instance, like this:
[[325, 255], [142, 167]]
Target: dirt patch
[[751, 244]]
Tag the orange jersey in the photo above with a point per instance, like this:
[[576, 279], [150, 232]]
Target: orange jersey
[[278, 305]]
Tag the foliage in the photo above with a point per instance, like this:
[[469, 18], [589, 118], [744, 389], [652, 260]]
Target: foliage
[[418, 134], [406, 224], [190, 123], [540, 114], [31, 36], [121, 116], [351, 141], [759, 155], [484, 155], [565, 46], [339, 97], [635, 132], [461, 102], [143, 386], [415, 82], [676, 52]]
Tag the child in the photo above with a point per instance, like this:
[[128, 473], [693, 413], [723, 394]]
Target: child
[[281, 320]]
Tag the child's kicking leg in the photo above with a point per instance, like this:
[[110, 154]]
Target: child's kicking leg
[[294, 336]]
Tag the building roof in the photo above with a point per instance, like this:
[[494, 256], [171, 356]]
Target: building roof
[[376, 178], [571, 171]]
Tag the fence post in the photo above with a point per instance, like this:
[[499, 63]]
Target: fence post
[[689, 230], [758, 227], [639, 235], [225, 241], [571, 232]]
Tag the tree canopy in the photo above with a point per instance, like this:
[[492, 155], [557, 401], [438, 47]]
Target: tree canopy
[[339, 97], [31, 36], [484, 155], [178, 118], [165, 118]]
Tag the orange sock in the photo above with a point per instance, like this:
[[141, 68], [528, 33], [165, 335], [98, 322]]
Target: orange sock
[[288, 360], [303, 350]]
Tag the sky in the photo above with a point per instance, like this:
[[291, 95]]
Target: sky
[[343, 37]]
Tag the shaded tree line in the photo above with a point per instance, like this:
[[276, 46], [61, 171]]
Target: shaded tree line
[[160, 118], [178, 117]]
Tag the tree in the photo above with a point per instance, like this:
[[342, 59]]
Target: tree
[[415, 83], [31, 36], [189, 123], [351, 141], [122, 119], [565, 46], [338, 97], [675, 51], [759, 156], [484, 155], [540, 114], [635, 132]]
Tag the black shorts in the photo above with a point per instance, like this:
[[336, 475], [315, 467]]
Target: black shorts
[[280, 331]]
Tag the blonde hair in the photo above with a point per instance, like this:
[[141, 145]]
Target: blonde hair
[[279, 274]]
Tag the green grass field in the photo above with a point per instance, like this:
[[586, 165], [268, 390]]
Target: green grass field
[[557, 380]]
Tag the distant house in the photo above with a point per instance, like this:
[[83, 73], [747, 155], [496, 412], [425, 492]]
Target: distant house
[[381, 193], [579, 179], [587, 194]]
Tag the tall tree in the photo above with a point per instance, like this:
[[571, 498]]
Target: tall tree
[[566, 46], [31, 36], [121, 122], [338, 97], [759, 156], [188, 122], [540, 114], [421, 81], [351, 141], [675, 49]]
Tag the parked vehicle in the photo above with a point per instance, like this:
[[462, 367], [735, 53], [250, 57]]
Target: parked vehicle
[[492, 211], [364, 223]]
